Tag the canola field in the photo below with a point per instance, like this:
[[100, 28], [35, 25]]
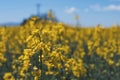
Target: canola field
[[46, 50]]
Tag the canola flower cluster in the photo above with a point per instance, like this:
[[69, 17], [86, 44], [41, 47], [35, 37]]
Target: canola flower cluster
[[46, 50]]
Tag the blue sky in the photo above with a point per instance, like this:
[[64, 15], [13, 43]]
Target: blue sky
[[91, 12]]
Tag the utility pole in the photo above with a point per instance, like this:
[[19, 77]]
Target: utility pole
[[77, 20], [38, 9]]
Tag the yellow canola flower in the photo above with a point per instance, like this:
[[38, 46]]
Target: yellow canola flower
[[8, 76], [2, 58], [28, 52], [36, 73], [29, 38], [110, 62], [75, 71]]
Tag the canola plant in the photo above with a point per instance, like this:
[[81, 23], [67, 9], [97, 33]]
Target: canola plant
[[46, 50]]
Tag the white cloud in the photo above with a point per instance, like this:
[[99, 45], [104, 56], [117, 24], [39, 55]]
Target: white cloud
[[71, 10], [110, 7], [95, 7]]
